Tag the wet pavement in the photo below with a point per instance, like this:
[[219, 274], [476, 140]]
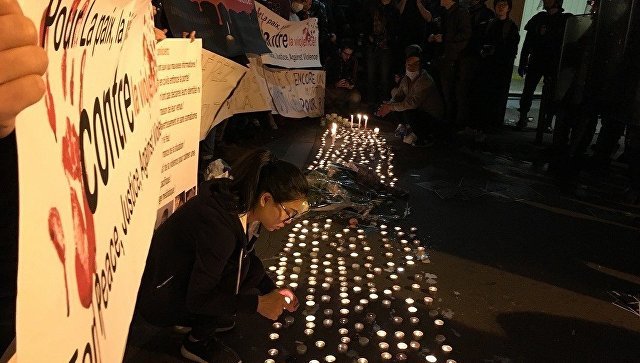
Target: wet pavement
[[526, 266]]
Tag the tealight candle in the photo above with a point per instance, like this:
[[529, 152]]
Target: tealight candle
[[414, 320], [428, 300], [447, 349], [383, 345], [402, 346], [343, 331], [399, 335], [301, 349], [381, 334], [277, 325], [342, 348], [431, 358], [386, 356], [308, 332], [438, 323], [329, 359], [272, 352], [412, 309], [320, 344], [274, 336], [414, 345], [327, 323], [386, 303], [363, 341], [397, 320], [415, 287]]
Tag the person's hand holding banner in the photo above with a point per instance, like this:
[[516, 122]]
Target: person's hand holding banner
[[23, 64]]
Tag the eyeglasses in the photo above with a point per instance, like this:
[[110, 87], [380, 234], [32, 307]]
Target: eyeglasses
[[290, 216]]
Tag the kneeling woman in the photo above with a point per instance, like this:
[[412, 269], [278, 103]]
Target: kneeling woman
[[202, 268]]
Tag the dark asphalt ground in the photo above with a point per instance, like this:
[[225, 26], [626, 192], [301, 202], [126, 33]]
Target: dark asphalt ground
[[525, 264]]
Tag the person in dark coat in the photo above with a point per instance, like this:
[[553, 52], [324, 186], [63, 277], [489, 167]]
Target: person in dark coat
[[202, 268], [469, 68], [341, 93], [381, 25], [541, 56], [499, 47], [453, 37]]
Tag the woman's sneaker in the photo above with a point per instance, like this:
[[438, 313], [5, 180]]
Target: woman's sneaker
[[223, 325], [208, 351]]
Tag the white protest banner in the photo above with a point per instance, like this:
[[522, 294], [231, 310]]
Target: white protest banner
[[251, 95], [296, 93], [293, 44], [219, 78], [89, 179], [179, 87]]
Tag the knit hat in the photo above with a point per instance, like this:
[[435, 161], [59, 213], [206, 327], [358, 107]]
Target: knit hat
[[412, 50]]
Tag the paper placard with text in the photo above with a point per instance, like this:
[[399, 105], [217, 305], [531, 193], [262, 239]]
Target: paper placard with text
[[220, 76], [293, 44], [180, 92], [296, 93], [89, 179], [251, 95]]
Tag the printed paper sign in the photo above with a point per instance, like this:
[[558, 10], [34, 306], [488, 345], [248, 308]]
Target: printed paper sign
[[296, 93], [180, 91], [293, 44], [89, 179], [227, 27], [220, 76]]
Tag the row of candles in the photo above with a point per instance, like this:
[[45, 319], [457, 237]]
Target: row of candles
[[353, 244]]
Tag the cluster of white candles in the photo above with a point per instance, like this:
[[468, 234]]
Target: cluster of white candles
[[364, 147], [339, 273]]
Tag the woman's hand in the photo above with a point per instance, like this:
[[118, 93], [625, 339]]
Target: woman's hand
[[271, 305], [292, 303]]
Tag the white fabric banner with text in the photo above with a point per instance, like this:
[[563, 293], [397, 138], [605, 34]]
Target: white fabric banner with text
[[296, 93], [89, 180], [293, 44]]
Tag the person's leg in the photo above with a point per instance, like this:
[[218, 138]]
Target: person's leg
[[463, 87], [447, 85], [385, 64], [331, 99], [7, 322], [419, 122], [633, 153], [353, 99], [610, 132], [531, 81], [372, 81], [201, 345]]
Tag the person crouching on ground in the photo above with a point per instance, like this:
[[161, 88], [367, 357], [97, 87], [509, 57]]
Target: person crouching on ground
[[342, 95], [416, 99], [202, 268]]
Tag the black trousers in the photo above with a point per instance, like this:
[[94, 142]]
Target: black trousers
[[531, 80], [204, 326], [422, 123]]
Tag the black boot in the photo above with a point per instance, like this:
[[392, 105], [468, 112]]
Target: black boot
[[208, 351]]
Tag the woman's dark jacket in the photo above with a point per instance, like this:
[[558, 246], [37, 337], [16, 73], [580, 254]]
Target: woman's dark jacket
[[193, 263]]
